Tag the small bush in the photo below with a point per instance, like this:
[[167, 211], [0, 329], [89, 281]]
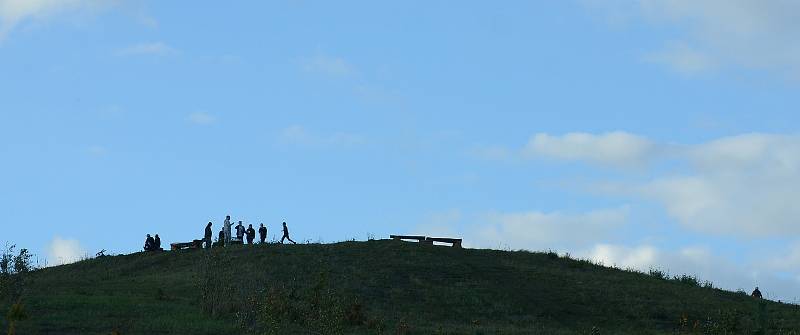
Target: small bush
[[213, 282], [687, 280], [291, 307], [658, 274], [14, 271]]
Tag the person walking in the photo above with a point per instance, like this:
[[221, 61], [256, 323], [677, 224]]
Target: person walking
[[286, 234], [208, 234], [251, 234], [262, 233], [227, 227], [240, 232]]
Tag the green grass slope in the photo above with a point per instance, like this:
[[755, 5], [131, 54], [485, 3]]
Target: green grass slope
[[378, 287]]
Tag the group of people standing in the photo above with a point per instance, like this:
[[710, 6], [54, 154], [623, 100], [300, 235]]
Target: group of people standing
[[225, 238]]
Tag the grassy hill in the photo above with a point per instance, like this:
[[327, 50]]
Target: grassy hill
[[379, 287]]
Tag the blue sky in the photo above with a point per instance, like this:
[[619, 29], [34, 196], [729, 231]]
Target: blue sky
[[637, 133]]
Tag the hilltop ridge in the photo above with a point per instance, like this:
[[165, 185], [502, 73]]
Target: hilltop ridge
[[379, 287]]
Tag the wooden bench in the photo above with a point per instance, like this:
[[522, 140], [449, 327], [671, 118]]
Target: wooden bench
[[196, 244], [456, 242], [420, 239]]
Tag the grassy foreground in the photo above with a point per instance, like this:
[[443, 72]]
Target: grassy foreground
[[378, 287]]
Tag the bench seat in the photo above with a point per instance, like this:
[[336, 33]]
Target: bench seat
[[456, 242], [408, 237]]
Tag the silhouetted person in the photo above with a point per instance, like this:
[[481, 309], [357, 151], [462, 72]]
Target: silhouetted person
[[148, 243], [756, 293], [208, 234], [227, 227], [251, 234], [286, 234], [157, 243], [262, 233], [240, 231], [221, 238]]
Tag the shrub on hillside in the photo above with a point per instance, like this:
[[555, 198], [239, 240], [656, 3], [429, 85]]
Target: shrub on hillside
[[658, 274], [14, 271], [687, 280], [214, 281], [292, 307]]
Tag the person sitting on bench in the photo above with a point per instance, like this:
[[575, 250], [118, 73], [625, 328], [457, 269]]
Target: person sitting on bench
[[157, 243], [251, 234], [148, 243]]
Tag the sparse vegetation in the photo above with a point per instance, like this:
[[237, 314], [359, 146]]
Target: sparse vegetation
[[381, 287], [14, 276]]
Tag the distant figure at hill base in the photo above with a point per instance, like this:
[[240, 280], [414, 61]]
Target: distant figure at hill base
[[756, 293], [286, 234], [149, 243], [262, 233], [208, 234], [157, 243], [251, 234]]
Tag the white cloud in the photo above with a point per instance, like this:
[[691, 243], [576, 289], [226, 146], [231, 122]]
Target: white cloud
[[741, 185], [759, 34], [300, 136], [444, 223], [201, 118], [65, 251], [16, 12], [150, 48], [614, 148], [697, 261], [332, 66], [640, 258], [683, 59], [533, 230], [736, 186]]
